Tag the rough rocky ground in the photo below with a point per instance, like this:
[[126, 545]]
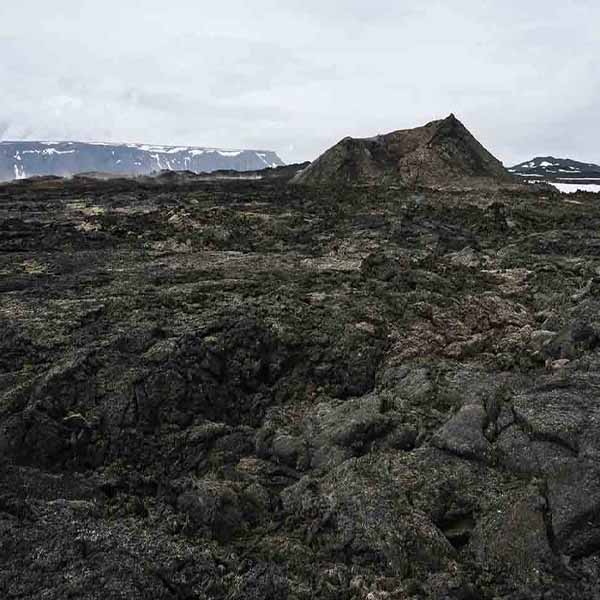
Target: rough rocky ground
[[251, 390]]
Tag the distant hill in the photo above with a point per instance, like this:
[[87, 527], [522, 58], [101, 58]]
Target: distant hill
[[563, 173], [548, 168], [440, 153], [19, 160]]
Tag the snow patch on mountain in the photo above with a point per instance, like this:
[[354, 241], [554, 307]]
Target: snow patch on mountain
[[69, 158], [564, 173]]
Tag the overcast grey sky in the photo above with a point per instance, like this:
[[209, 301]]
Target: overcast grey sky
[[295, 76]]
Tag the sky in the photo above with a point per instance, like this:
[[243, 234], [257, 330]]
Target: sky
[[296, 76]]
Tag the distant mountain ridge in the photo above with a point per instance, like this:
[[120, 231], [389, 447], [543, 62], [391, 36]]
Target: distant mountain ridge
[[562, 170], [19, 160], [439, 153]]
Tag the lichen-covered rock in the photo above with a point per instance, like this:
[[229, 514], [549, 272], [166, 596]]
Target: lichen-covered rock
[[359, 510], [512, 537], [220, 509], [463, 434], [244, 389], [574, 497], [519, 453]]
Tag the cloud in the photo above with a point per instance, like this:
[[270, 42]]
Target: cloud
[[298, 76]]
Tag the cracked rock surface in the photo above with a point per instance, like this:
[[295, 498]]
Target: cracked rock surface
[[252, 390]]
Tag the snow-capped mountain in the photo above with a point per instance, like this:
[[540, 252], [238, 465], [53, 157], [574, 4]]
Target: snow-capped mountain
[[19, 160], [563, 173]]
